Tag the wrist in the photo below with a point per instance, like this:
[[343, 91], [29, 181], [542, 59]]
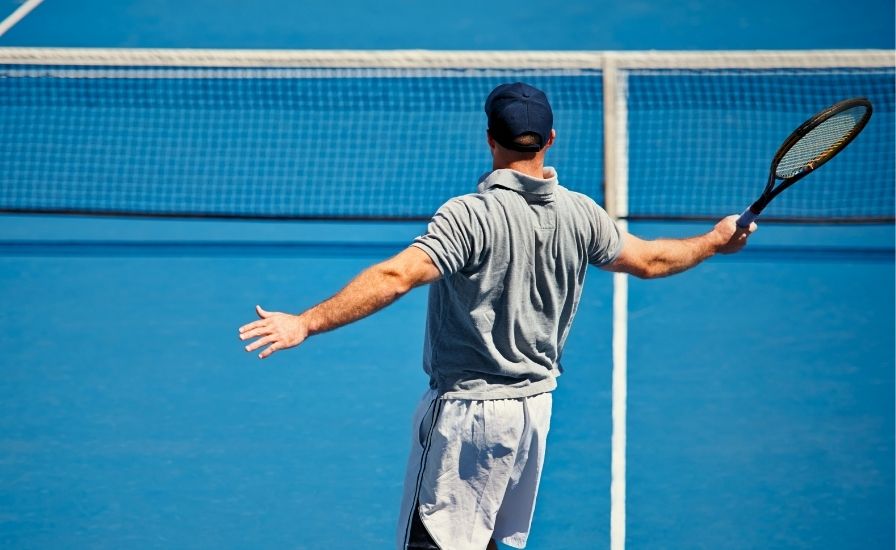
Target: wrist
[[714, 242], [709, 245], [308, 322]]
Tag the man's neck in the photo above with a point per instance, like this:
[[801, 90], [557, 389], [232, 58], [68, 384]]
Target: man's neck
[[533, 168]]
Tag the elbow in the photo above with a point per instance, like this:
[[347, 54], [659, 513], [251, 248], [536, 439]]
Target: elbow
[[641, 270], [655, 271], [402, 286], [645, 270], [641, 259], [397, 282]]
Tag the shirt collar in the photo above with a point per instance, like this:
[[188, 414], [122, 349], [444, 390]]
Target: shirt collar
[[519, 182]]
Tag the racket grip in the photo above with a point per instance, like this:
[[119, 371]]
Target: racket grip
[[746, 218]]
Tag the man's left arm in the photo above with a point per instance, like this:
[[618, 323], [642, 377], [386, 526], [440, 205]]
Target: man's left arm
[[649, 259], [373, 289]]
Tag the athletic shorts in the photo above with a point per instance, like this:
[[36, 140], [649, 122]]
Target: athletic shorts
[[473, 472]]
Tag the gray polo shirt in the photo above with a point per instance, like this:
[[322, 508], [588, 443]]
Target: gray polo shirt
[[513, 258]]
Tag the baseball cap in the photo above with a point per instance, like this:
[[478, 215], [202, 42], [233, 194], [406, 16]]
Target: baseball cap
[[515, 109]]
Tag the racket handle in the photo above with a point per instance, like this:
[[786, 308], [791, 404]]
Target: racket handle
[[746, 218]]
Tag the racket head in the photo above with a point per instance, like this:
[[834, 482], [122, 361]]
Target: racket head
[[812, 144], [820, 138]]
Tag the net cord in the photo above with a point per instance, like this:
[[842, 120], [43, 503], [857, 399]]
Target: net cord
[[403, 59]]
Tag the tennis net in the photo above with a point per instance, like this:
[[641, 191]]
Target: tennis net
[[392, 135]]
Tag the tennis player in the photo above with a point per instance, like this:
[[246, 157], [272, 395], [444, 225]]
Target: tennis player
[[506, 267]]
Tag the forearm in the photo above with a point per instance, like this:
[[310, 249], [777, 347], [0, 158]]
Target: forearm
[[372, 290], [663, 257], [671, 256]]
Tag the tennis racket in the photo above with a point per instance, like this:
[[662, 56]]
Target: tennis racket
[[814, 143]]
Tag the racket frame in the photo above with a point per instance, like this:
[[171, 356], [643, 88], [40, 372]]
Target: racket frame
[[771, 191]]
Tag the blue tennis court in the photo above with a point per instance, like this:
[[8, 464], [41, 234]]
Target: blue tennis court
[[132, 416], [760, 386]]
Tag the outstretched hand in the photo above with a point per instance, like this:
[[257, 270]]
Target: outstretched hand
[[731, 238], [280, 330]]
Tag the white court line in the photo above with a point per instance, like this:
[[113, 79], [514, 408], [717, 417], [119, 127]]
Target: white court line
[[18, 15], [620, 397]]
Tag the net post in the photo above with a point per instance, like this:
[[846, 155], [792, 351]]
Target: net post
[[615, 137], [616, 204]]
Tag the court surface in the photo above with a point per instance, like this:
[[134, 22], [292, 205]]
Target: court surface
[[760, 398]]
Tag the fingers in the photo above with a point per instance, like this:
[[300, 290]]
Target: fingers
[[730, 224], [257, 328], [261, 330], [269, 350], [275, 344], [261, 342], [251, 326], [734, 218], [743, 233]]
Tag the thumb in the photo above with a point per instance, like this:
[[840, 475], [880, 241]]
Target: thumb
[[747, 231], [262, 313]]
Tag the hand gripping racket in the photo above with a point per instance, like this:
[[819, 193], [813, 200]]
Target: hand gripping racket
[[814, 143]]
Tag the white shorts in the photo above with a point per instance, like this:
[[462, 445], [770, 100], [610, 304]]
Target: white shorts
[[474, 469]]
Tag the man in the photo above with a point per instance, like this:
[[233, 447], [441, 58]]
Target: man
[[507, 265]]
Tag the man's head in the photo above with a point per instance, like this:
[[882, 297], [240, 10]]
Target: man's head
[[517, 109], [520, 121]]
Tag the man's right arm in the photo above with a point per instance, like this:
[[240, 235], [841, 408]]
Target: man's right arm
[[373, 289], [663, 257]]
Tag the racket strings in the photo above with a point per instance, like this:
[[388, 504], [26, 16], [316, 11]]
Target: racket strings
[[820, 143]]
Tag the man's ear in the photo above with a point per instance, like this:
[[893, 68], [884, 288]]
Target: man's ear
[[552, 138]]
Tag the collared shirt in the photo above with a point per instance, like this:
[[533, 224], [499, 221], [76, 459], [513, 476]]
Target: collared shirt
[[513, 258]]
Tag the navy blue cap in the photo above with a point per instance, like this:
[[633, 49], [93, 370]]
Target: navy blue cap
[[516, 109]]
